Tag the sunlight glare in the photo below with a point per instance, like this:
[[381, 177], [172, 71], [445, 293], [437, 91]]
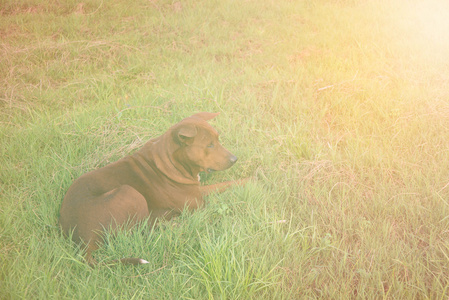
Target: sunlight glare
[[432, 22]]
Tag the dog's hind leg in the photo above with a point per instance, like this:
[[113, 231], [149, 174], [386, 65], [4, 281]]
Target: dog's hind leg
[[122, 207]]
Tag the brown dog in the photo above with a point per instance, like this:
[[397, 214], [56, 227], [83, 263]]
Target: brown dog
[[156, 182]]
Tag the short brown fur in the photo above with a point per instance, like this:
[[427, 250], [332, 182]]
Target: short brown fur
[[156, 182]]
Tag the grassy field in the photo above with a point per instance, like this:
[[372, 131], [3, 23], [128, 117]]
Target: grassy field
[[339, 110]]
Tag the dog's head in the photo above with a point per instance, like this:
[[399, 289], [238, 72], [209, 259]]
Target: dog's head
[[199, 146]]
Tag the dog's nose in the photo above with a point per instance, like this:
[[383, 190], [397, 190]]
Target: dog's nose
[[233, 159]]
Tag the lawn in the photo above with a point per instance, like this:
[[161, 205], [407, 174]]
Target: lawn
[[338, 110]]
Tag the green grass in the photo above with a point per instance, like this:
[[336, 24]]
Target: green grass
[[339, 110]]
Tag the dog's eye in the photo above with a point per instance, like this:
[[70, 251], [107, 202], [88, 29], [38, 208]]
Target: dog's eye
[[211, 145]]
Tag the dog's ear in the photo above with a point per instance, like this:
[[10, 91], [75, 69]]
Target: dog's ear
[[205, 116], [184, 134]]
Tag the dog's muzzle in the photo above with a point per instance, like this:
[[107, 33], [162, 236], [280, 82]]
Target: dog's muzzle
[[232, 160]]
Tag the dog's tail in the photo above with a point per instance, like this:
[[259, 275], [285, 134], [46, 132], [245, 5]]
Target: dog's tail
[[129, 261]]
